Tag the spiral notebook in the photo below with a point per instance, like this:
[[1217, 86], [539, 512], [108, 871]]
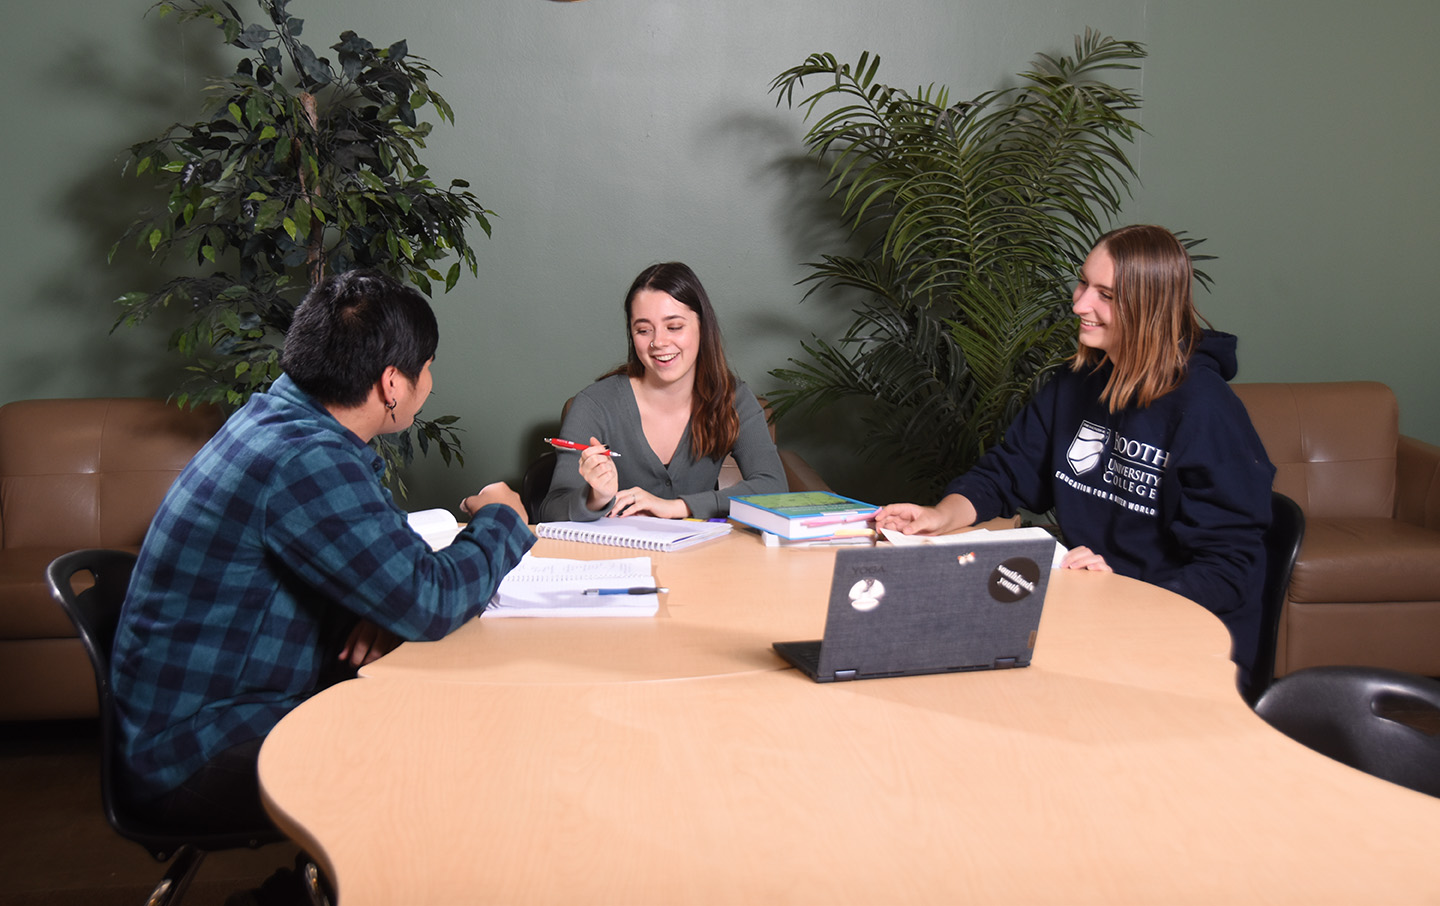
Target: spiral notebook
[[649, 533]]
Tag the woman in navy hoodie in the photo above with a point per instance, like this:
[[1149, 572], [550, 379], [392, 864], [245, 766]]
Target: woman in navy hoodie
[[1147, 458]]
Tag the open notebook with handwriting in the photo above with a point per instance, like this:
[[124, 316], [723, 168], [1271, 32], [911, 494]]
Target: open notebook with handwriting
[[552, 587]]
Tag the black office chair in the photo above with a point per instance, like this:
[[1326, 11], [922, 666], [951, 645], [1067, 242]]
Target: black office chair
[[95, 613], [1351, 714], [1282, 546]]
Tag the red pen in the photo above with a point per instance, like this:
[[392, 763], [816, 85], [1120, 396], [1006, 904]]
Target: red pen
[[572, 445]]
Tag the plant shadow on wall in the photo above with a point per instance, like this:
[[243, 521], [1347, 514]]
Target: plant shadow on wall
[[143, 91], [303, 168], [974, 217]]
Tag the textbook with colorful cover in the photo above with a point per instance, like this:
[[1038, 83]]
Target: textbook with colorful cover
[[649, 533], [801, 514]]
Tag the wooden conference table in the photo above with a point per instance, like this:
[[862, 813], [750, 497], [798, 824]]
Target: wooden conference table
[[678, 760]]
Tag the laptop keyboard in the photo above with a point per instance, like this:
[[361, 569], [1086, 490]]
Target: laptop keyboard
[[804, 655]]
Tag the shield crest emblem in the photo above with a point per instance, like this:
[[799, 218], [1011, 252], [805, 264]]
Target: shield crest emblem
[[1086, 448]]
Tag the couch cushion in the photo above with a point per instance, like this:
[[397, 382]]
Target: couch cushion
[[1332, 443], [26, 609], [91, 472], [1363, 560], [1397, 636], [45, 679]]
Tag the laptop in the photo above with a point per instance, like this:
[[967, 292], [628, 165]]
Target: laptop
[[905, 611]]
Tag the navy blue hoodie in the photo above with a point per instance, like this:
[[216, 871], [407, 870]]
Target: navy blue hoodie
[[1176, 494]]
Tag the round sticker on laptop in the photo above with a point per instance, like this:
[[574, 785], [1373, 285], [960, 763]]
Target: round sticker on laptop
[[865, 595], [1014, 579]]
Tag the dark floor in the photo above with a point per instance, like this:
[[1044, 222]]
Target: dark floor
[[57, 850]]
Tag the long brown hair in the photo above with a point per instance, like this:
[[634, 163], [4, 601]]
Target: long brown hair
[[714, 424], [1154, 323]]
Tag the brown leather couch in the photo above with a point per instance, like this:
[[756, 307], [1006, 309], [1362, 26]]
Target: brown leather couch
[[74, 473], [1366, 586]]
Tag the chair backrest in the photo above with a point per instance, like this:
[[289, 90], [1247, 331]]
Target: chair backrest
[[1332, 443], [536, 483], [1350, 714], [1282, 546], [95, 611]]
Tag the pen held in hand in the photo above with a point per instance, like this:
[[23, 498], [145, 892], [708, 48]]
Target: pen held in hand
[[562, 444], [643, 590]]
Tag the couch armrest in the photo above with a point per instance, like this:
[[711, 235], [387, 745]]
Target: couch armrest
[[798, 474], [1417, 483]]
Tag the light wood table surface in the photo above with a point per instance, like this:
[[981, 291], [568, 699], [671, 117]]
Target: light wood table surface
[[559, 761]]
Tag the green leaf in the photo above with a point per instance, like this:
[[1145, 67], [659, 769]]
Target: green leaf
[[302, 217], [156, 236], [269, 213], [236, 114]]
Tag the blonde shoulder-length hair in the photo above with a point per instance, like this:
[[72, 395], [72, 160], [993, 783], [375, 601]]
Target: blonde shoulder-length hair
[[1154, 323]]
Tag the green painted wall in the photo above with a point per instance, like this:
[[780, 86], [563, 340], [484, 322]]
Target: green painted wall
[[610, 134]]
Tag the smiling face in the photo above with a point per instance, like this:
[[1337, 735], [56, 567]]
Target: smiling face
[[1094, 301], [666, 335]]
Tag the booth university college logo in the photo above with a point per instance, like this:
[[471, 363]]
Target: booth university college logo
[[1133, 470], [1087, 447]]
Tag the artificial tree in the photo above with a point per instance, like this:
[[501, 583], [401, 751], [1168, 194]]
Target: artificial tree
[[303, 167], [973, 218]]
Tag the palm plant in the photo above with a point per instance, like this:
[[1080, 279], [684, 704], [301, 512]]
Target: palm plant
[[302, 168], [974, 217]]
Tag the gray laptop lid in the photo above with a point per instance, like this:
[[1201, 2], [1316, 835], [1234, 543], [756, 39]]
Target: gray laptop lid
[[899, 611]]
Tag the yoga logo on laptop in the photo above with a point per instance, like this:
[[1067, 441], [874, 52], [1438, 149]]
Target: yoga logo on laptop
[[1014, 580], [865, 595], [1086, 448]]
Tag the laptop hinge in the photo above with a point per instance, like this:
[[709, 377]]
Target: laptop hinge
[[844, 675]]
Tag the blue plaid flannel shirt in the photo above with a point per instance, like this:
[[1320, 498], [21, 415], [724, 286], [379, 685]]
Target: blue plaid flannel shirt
[[270, 545]]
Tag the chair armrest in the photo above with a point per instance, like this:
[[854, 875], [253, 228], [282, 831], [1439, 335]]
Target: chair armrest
[[1417, 483], [798, 474]]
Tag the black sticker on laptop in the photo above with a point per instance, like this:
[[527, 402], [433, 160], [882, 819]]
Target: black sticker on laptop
[[1014, 579]]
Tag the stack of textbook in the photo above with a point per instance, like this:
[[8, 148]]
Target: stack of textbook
[[806, 518]]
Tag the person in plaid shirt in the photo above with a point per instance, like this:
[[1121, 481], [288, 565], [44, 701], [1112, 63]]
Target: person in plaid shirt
[[278, 562]]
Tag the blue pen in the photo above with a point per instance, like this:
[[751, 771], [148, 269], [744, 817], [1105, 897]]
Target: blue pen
[[627, 591]]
